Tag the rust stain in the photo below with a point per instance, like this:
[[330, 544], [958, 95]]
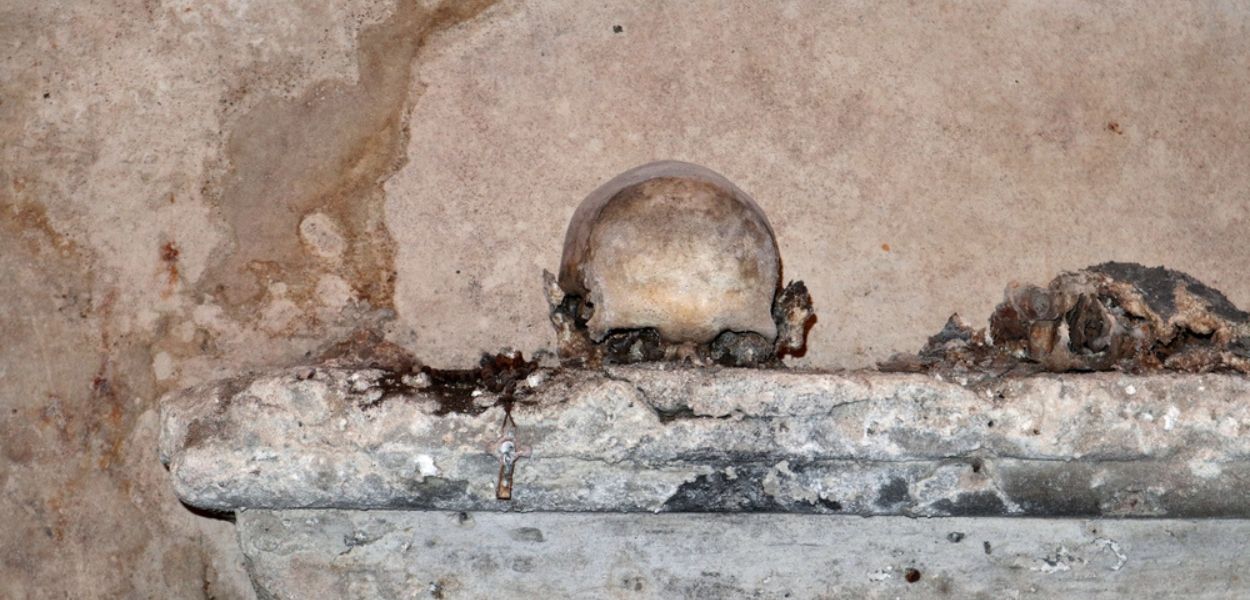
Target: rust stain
[[328, 151], [60, 521], [885, 247], [105, 405], [169, 256], [107, 417], [28, 221], [1114, 127]]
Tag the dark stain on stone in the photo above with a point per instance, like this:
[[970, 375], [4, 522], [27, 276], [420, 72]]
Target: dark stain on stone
[[911, 575], [1208, 500], [227, 391], [523, 564], [989, 549], [1054, 490], [497, 374], [430, 492], [359, 538], [454, 389], [328, 151], [744, 492], [675, 587], [972, 504], [677, 413], [527, 534], [716, 492], [717, 456], [955, 537], [200, 431], [893, 492], [832, 505], [680, 413]]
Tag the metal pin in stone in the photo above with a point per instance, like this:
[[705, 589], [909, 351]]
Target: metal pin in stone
[[508, 452]]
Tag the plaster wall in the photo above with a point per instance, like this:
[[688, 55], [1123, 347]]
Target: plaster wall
[[189, 189]]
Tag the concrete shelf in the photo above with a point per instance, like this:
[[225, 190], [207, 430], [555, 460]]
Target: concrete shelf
[[413, 554], [650, 439]]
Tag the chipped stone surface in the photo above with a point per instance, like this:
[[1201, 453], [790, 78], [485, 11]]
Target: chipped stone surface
[[337, 554], [682, 440]]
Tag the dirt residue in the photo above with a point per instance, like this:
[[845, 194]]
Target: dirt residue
[[327, 151], [456, 390], [498, 380], [367, 348]]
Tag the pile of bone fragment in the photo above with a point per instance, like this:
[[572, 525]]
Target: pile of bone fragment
[[1113, 316]]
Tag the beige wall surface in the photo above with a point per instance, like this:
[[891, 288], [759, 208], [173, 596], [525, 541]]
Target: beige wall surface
[[192, 188]]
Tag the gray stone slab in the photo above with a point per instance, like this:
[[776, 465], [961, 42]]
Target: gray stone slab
[[692, 440], [309, 554]]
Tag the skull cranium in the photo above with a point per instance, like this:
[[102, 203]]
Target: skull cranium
[[676, 249]]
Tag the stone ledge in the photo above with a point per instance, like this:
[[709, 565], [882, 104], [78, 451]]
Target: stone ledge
[[309, 554], [690, 440]]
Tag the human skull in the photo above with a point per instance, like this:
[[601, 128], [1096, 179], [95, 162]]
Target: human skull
[[673, 247]]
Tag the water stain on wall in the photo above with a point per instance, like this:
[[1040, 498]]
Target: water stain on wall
[[70, 412], [302, 200], [314, 165]]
